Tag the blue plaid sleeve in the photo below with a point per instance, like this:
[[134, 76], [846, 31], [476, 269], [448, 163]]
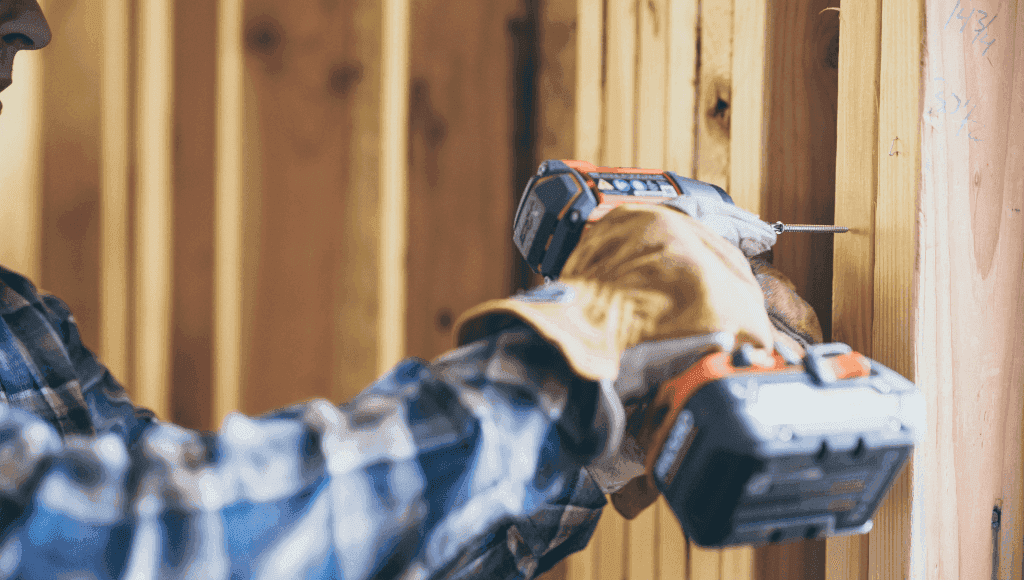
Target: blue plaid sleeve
[[471, 466], [46, 370]]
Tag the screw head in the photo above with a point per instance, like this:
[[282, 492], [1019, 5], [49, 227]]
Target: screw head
[[785, 433]]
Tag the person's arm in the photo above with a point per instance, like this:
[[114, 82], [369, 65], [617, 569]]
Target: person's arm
[[472, 464], [46, 370]]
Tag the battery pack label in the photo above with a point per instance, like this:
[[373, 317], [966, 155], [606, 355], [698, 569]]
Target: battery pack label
[[634, 184], [678, 442]]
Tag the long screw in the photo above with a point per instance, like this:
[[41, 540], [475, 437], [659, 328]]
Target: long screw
[[780, 227]]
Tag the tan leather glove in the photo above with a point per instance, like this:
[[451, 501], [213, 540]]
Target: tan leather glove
[[640, 274]]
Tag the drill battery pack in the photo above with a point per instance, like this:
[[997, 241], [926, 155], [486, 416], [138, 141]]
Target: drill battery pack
[[805, 449], [564, 196]]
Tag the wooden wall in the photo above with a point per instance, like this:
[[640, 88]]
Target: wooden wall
[[249, 203], [929, 135], [242, 200]]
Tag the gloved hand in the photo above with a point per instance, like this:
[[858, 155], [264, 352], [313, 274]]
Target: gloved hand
[[743, 229], [640, 274], [795, 322], [795, 326], [644, 368]]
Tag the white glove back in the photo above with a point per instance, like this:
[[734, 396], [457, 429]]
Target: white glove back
[[745, 230]]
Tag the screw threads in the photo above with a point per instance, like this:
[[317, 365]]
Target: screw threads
[[780, 227]]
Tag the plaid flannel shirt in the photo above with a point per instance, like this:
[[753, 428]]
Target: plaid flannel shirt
[[471, 466]]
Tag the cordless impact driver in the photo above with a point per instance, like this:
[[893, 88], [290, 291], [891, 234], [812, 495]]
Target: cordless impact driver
[[745, 453]]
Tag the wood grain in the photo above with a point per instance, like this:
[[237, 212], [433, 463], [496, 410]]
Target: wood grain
[[895, 250], [394, 118], [620, 87], [21, 168], [856, 189], [115, 118], [801, 83], [856, 173], [70, 158], [318, 251], [801, 140], [300, 60], [610, 546], [228, 215], [714, 92], [154, 207], [652, 84], [704, 563], [369, 281], [846, 558], [969, 308], [738, 563], [460, 165], [747, 130], [801, 560], [590, 47], [680, 82], [194, 178], [558, 37]]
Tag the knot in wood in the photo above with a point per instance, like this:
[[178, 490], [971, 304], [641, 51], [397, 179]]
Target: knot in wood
[[343, 77], [264, 36]]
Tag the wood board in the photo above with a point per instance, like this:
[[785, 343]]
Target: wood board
[[303, 64], [856, 190], [797, 185], [969, 307], [461, 184], [895, 250], [195, 182], [70, 193]]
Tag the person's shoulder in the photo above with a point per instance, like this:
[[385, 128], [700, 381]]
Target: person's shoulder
[[16, 290]]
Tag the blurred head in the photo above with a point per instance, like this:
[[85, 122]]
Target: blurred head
[[22, 27]]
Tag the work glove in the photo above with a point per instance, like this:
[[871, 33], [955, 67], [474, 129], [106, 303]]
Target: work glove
[[741, 228], [641, 274], [795, 322], [643, 370]]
